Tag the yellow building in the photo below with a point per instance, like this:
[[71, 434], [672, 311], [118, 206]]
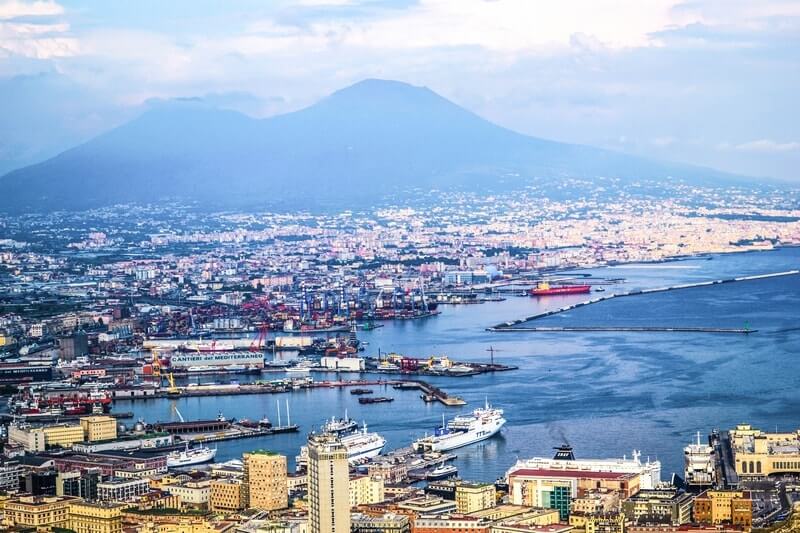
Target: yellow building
[[598, 523], [85, 517], [471, 497], [265, 485], [724, 507], [39, 512], [38, 439], [366, 490], [99, 428], [226, 495], [759, 454]]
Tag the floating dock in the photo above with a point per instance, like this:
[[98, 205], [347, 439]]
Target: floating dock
[[510, 326]]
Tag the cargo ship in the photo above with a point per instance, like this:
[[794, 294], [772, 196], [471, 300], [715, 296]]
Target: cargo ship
[[72, 402], [463, 430], [545, 289]]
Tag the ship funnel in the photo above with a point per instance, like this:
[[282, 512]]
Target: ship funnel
[[564, 453]]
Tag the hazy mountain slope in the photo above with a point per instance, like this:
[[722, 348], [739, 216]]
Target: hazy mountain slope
[[356, 145]]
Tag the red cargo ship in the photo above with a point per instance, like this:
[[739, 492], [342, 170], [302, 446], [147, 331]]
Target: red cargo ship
[[544, 289]]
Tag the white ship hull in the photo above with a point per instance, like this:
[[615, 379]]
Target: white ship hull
[[464, 430], [451, 441], [190, 457]]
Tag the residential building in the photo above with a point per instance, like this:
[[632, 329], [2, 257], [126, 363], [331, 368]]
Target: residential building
[[39, 512], [86, 517], [226, 495], [82, 484], [471, 497], [387, 523], [194, 494], [365, 490], [454, 523], [328, 485], [659, 506], [724, 507], [428, 505], [10, 472], [121, 490], [265, 485]]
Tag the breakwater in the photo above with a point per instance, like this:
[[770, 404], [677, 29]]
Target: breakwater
[[510, 325]]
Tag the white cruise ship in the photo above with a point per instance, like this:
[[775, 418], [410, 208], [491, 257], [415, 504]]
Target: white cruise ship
[[463, 430], [216, 359], [699, 464], [361, 445]]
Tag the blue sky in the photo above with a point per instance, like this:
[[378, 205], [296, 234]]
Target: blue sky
[[712, 82]]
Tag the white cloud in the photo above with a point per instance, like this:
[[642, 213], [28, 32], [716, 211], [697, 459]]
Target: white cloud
[[11, 9], [768, 146], [31, 39]]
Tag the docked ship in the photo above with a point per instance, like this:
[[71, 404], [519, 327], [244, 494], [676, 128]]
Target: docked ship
[[217, 359], [340, 426], [564, 460], [363, 445], [699, 464], [188, 457], [545, 289], [58, 401], [463, 430], [360, 445]]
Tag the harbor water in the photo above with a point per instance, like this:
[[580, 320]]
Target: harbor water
[[605, 393]]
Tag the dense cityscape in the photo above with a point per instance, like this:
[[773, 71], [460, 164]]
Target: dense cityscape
[[161, 303]]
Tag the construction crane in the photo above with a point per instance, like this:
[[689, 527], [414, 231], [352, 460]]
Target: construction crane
[[172, 390], [491, 350], [156, 364]]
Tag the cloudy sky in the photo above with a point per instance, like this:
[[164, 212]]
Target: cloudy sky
[[713, 82]]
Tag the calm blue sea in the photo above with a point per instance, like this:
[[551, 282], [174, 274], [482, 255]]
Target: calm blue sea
[[604, 393]]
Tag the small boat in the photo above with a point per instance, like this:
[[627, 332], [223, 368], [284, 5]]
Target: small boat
[[199, 368], [361, 391], [442, 472], [234, 368], [377, 399], [188, 457]]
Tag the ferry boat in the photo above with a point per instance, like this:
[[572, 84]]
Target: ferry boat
[[463, 430], [188, 457], [699, 464]]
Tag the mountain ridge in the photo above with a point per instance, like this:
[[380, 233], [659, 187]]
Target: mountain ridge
[[355, 145]]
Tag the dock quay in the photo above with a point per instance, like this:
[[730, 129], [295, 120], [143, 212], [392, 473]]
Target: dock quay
[[678, 329], [428, 390], [431, 393], [415, 463], [510, 325], [238, 432], [7, 417]]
